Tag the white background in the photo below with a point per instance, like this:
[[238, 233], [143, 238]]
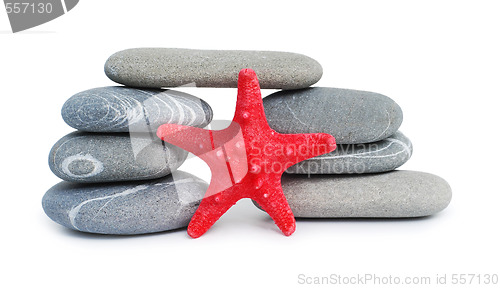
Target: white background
[[440, 60]]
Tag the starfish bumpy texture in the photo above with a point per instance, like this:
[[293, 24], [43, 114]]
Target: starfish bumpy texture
[[246, 159]]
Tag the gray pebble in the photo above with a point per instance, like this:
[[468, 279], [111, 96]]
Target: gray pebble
[[381, 156], [168, 67], [351, 116], [122, 109], [126, 208], [99, 157], [395, 194]]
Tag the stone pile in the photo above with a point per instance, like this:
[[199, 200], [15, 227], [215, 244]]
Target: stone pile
[[119, 178], [357, 179]]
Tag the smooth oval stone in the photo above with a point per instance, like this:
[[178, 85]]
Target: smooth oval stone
[[99, 157], [395, 194], [169, 67], [123, 109], [126, 208], [351, 116], [381, 156]]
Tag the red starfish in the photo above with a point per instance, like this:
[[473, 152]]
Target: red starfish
[[246, 159]]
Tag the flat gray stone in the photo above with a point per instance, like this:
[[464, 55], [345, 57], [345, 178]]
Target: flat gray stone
[[168, 67], [99, 157], [395, 194], [126, 208], [381, 156], [351, 116], [123, 109]]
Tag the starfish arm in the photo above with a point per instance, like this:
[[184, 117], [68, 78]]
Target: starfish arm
[[231, 133], [211, 209], [273, 201], [195, 140], [305, 146], [249, 107]]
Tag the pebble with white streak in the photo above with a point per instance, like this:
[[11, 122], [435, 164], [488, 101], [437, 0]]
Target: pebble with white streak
[[108, 157], [381, 156], [126, 208], [123, 109]]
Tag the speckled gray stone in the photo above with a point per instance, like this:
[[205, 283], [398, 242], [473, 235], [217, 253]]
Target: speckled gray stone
[[123, 109], [395, 194], [351, 116], [126, 208], [381, 156], [100, 157], [169, 67]]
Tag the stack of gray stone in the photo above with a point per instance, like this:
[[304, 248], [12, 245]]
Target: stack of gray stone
[[358, 179], [121, 179]]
